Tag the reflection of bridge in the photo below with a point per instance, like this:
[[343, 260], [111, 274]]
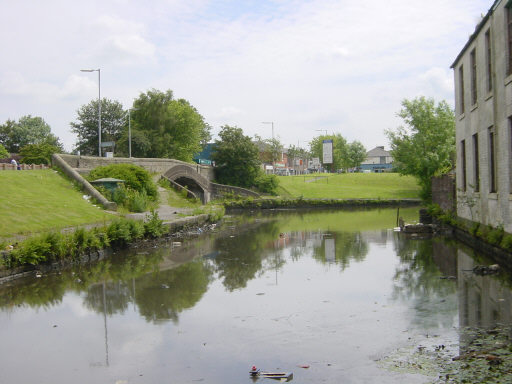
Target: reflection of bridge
[[196, 178]]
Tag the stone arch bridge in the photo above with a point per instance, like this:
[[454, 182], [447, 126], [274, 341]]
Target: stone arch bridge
[[197, 179]]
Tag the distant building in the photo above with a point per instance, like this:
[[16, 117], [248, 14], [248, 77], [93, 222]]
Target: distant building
[[483, 95], [377, 160], [205, 156]]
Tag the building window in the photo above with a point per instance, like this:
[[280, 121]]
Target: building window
[[492, 161], [472, 60], [463, 162], [488, 59], [508, 11], [461, 89], [476, 164]]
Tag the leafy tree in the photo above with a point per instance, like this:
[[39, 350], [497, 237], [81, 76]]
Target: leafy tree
[[425, 146], [339, 149], [113, 122], [3, 152], [27, 130], [356, 154], [38, 153], [236, 158], [174, 128]]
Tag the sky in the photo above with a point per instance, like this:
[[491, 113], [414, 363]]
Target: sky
[[308, 66]]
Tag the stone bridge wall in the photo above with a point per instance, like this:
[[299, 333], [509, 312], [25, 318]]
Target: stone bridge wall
[[160, 166]]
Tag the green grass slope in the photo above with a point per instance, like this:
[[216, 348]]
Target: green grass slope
[[42, 200], [350, 186]]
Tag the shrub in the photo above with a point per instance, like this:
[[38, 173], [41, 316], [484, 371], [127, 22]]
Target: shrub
[[3, 152], [154, 227], [506, 242], [495, 235], [267, 183], [38, 153], [119, 232], [134, 177], [136, 201]]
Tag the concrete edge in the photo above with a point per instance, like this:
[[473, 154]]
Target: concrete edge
[[58, 161]]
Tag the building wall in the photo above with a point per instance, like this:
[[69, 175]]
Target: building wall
[[490, 113]]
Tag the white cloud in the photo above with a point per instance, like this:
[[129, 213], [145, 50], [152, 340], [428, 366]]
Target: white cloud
[[306, 65]]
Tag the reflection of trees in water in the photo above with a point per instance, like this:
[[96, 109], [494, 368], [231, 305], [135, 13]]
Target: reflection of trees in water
[[117, 297], [163, 295], [49, 290], [418, 279], [240, 258], [347, 245]]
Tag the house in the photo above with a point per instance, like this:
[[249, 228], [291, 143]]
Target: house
[[483, 110], [377, 160]]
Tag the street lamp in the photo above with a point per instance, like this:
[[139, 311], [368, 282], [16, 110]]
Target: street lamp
[[129, 134], [270, 122], [322, 130], [99, 105]]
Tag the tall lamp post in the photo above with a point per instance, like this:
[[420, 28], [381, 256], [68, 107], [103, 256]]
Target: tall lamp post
[[99, 105]]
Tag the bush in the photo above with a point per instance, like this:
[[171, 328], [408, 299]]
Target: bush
[[495, 235], [506, 242], [3, 152], [267, 183], [135, 177], [154, 227], [38, 153]]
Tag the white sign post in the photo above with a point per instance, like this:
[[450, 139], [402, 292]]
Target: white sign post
[[327, 152]]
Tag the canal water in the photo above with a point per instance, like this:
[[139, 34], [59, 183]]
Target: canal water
[[331, 296]]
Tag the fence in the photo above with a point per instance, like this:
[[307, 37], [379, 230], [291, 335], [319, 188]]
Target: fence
[[11, 167]]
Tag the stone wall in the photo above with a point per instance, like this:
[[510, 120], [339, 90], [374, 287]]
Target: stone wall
[[218, 190], [443, 192]]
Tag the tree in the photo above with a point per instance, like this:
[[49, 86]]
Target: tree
[[236, 158], [113, 122], [271, 150], [27, 130], [356, 154], [3, 152], [174, 128], [425, 146]]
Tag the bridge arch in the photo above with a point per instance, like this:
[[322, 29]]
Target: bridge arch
[[187, 176]]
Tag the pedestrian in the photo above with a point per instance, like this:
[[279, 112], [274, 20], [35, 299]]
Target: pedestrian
[[14, 163]]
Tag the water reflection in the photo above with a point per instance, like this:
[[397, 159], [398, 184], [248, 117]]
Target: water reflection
[[293, 288]]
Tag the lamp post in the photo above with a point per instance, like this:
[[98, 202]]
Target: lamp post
[[99, 105], [270, 122], [129, 134]]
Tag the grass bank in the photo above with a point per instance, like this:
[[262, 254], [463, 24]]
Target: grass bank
[[350, 186], [42, 200]]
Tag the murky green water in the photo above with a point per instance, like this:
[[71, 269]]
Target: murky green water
[[338, 292]]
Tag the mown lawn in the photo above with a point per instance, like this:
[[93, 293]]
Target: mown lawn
[[350, 186], [41, 200]]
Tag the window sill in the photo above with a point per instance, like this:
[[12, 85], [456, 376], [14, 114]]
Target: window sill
[[461, 117], [489, 96], [508, 79], [473, 107], [493, 196]]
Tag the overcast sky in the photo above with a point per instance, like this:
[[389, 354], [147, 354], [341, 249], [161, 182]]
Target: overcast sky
[[310, 66]]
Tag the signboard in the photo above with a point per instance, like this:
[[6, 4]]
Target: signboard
[[107, 144], [327, 151], [316, 162]]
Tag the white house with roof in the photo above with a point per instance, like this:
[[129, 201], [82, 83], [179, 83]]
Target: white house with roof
[[377, 160], [483, 120]]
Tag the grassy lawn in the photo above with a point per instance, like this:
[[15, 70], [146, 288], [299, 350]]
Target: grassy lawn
[[40, 200], [350, 186]]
